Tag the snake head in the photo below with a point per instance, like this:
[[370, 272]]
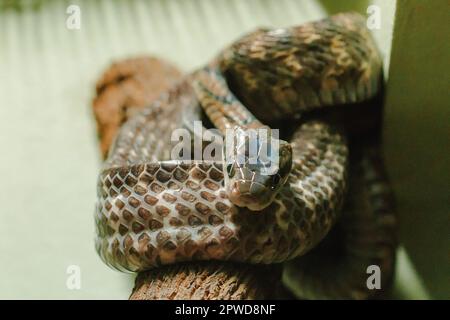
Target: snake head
[[258, 166]]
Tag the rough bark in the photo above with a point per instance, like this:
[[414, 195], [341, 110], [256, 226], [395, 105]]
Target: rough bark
[[126, 87], [209, 281]]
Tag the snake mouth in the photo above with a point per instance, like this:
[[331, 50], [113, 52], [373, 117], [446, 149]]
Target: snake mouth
[[251, 199]]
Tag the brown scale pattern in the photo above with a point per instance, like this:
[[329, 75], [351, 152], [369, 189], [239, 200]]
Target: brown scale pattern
[[157, 213], [153, 211], [329, 62], [365, 235]]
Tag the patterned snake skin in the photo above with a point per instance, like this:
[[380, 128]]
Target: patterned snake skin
[[152, 210], [364, 236]]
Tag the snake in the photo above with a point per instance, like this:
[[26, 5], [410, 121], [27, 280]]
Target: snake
[[155, 210]]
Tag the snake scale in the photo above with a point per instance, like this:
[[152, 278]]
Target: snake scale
[[153, 210]]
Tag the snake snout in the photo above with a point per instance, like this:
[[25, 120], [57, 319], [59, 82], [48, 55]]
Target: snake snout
[[248, 194]]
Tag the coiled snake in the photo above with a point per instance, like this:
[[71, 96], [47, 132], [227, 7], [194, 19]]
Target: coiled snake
[[153, 210]]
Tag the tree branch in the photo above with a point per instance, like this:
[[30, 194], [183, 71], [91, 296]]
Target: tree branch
[[209, 281]]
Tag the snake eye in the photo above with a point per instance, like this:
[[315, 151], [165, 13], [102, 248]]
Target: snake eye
[[230, 169]]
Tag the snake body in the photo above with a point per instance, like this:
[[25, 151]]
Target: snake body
[[153, 210]]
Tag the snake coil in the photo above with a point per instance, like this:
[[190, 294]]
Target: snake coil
[[153, 210]]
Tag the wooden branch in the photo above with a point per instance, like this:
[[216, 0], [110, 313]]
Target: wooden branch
[[209, 281]]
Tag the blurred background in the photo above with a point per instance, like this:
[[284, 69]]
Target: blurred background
[[49, 150]]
